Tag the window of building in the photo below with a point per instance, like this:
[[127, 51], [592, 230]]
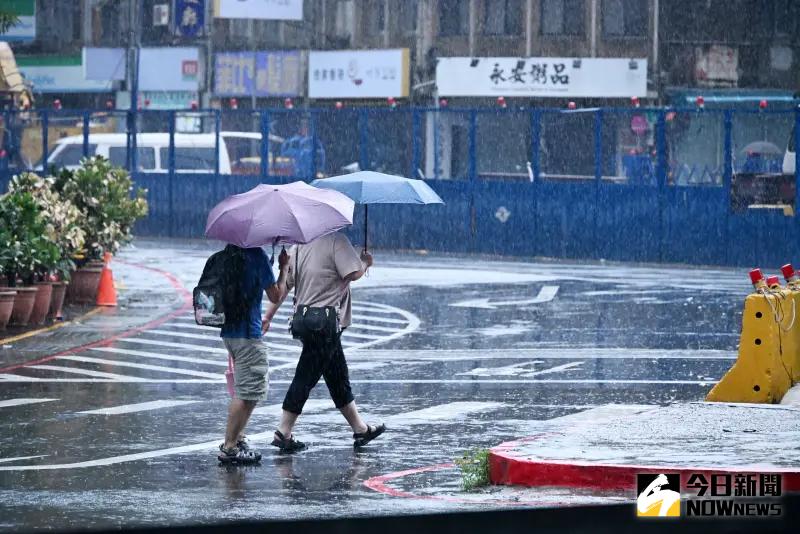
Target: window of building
[[503, 17], [624, 18], [562, 17], [407, 15], [453, 17], [345, 18], [375, 18], [785, 17]]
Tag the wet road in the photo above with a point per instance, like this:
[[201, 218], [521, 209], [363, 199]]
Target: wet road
[[452, 353]]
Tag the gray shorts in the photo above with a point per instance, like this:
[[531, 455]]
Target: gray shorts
[[250, 367]]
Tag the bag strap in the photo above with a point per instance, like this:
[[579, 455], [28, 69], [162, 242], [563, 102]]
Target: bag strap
[[296, 273]]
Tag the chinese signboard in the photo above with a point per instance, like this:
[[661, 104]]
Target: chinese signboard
[[190, 17], [257, 73], [716, 66], [542, 77], [25, 29], [169, 69], [259, 9], [60, 74], [358, 74]]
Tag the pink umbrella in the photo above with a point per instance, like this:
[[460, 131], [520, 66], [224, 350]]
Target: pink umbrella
[[279, 214]]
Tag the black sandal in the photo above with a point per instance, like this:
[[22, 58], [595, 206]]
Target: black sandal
[[236, 455], [287, 445], [371, 433]]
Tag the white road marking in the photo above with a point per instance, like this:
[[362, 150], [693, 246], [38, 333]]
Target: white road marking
[[20, 402], [72, 370], [564, 353], [451, 410], [160, 368], [159, 356], [17, 378], [546, 294], [207, 446], [138, 407], [18, 458], [187, 346], [123, 379], [523, 369]]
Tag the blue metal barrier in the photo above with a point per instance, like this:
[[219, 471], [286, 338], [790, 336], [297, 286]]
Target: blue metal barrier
[[650, 185]]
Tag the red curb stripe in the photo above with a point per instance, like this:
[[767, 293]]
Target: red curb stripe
[[507, 469], [184, 293]]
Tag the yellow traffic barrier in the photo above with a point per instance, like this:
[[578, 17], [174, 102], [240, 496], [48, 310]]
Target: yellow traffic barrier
[[769, 348]]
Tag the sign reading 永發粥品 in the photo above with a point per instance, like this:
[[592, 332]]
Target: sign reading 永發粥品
[[259, 9], [542, 77], [261, 74], [358, 74]]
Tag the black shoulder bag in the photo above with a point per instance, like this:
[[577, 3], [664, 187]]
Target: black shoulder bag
[[312, 323]]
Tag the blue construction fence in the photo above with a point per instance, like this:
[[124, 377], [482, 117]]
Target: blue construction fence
[[698, 186]]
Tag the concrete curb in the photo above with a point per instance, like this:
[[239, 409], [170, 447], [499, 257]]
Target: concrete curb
[[507, 468]]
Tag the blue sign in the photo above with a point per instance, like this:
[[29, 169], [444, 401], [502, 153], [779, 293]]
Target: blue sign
[[257, 73], [190, 17]]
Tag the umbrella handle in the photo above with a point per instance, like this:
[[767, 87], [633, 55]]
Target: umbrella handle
[[366, 225]]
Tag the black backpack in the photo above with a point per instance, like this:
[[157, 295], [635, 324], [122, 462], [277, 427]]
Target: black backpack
[[219, 297]]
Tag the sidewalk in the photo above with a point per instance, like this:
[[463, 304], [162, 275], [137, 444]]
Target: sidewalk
[[606, 447], [144, 294]]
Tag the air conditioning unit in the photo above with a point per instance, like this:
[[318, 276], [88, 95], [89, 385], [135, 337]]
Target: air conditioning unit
[[161, 15]]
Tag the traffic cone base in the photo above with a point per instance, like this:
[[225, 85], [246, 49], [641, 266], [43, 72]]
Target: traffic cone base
[[106, 292]]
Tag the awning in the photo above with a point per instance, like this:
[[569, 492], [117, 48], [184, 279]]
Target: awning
[[731, 98], [10, 77]]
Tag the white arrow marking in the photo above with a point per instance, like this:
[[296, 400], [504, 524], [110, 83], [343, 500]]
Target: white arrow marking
[[546, 294]]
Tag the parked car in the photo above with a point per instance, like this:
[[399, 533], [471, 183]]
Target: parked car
[[194, 153]]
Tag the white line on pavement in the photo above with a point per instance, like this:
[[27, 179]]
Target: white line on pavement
[[138, 407], [18, 458], [158, 356], [72, 370], [564, 353], [159, 343], [19, 402], [16, 378], [159, 368], [451, 410]]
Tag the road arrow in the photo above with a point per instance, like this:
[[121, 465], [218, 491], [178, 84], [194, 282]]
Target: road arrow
[[546, 294]]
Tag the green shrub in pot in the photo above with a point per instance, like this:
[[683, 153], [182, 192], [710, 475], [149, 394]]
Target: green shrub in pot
[[105, 196], [30, 250], [63, 221]]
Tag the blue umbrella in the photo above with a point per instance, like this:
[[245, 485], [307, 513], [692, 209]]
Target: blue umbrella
[[369, 187]]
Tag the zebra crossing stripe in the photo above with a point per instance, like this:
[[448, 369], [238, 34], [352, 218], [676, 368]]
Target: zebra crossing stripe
[[85, 372], [21, 402], [159, 356], [138, 407], [159, 343], [160, 368]]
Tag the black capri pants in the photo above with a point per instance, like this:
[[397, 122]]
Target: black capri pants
[[319, 358]]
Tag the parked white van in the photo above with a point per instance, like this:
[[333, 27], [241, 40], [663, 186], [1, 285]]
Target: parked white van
[[194, 153]]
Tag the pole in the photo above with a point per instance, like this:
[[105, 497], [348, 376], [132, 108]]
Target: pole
[[366, 224]]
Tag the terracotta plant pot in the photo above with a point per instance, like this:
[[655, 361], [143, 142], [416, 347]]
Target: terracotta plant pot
[[83, 287], [42, 303], [6, 306], [57, 300], [23, 305]]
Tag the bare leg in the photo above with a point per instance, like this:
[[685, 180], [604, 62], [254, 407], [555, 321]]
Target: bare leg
[[239, 412], [288, 419], [350, 412]]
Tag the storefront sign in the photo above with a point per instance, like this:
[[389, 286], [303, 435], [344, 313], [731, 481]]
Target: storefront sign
[[542, 77], [104, 64], [261, 74], [169, 69], [60, 74], [190, 17], [358, 74], [259, 9], [25, 28], [717, 66]]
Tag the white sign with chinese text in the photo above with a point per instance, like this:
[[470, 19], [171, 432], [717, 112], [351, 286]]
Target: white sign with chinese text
[[358, 74], [542, 77], [169, 69], [259, 9]]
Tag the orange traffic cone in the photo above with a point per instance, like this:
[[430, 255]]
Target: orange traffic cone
[[106, 292]]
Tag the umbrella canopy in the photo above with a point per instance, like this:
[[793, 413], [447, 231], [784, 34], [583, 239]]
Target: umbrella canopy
[[762, 147], [279, 214], [368, 187]]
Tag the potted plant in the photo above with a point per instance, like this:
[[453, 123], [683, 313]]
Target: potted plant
[[65, 236], [7, 296], [24, 230], [109, 207]]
